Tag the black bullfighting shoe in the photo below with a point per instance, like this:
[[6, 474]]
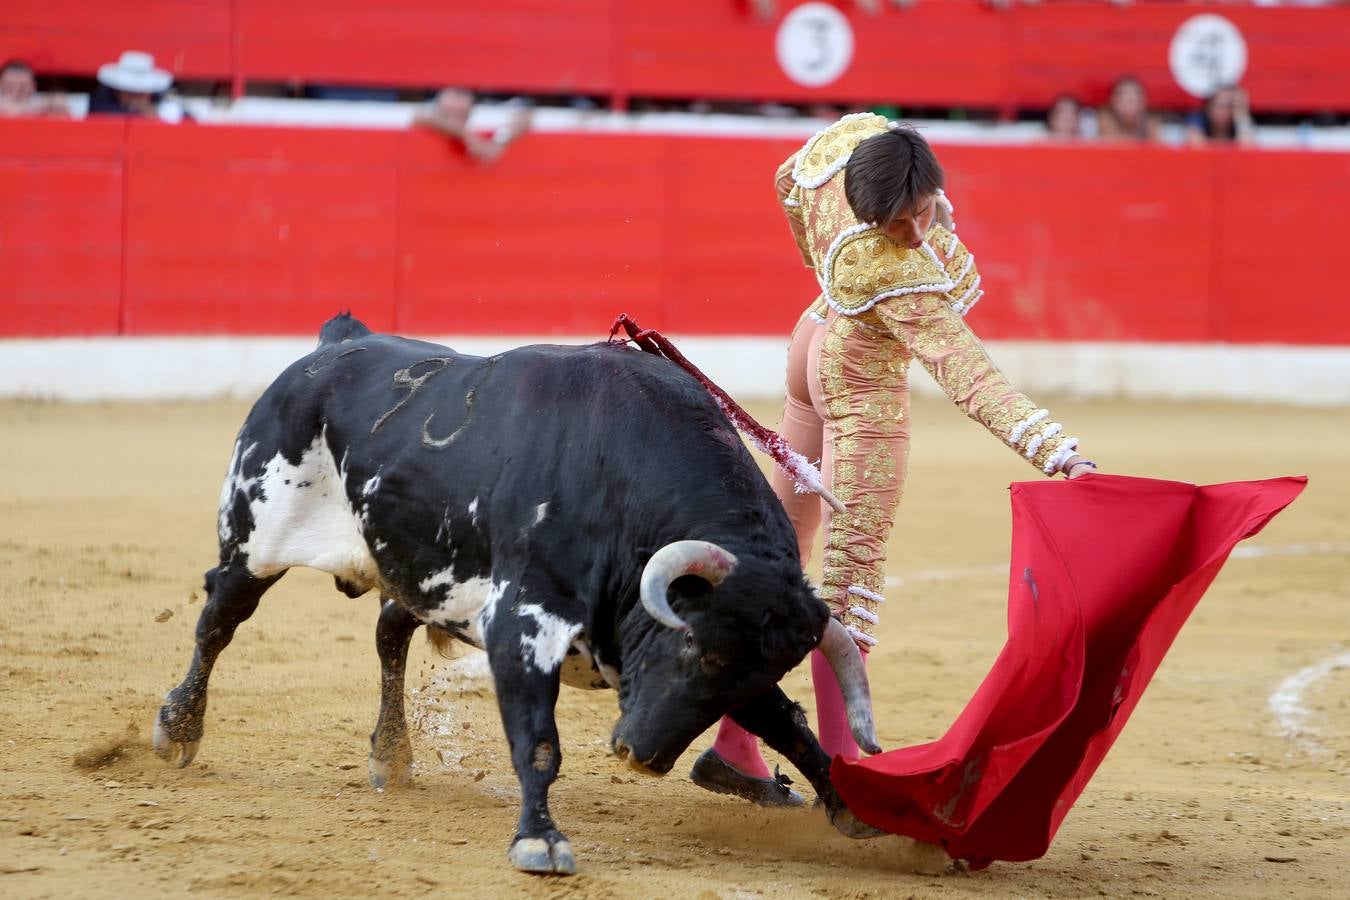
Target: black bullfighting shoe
[[712, 772]]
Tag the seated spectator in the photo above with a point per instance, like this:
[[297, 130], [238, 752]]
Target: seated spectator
[[19, 97], [449, 114], [1224, 119], [1125, 115], [132, 86], [1064, 121]]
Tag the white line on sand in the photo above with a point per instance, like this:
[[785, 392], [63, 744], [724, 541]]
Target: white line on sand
[[1287, 701]]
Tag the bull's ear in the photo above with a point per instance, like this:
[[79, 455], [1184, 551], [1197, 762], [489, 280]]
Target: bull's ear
[[689, 592]]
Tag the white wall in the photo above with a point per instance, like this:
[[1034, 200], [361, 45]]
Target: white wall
[[85, 369]]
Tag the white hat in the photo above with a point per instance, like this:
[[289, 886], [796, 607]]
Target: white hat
[[135, 73]]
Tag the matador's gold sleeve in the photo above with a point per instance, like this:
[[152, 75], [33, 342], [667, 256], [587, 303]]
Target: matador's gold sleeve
[[956, 359], [790, 199], [959, 264]]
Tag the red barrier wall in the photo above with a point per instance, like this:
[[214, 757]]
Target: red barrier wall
[[61, 227], [113, 227], [939, 53]]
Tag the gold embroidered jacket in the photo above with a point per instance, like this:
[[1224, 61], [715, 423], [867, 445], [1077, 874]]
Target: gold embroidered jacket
[[917, 298]]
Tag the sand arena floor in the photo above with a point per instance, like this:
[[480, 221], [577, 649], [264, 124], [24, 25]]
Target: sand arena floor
[[107, 520]]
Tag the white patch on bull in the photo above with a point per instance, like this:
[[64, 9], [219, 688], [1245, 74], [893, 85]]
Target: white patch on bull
[[490, 608], [473, 511], [540, 512], [379, 546], [233, 483], [547, 647], [371, 486], [467, 606], [302, 518]]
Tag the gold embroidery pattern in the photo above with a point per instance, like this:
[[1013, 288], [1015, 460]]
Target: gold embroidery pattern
[[824, 151], [790, 197], [863, 377], [868, 264], [956, 359], [879, 468]]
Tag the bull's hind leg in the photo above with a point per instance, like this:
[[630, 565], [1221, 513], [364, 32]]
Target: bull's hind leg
[[232, 596], [390, 749]]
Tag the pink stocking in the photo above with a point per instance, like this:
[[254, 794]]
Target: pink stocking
[[740, 749], [831, 717]]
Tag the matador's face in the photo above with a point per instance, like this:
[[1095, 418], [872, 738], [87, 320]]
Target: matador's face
[[909, 228]]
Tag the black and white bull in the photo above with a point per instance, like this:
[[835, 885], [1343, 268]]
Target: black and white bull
[[583, 514]]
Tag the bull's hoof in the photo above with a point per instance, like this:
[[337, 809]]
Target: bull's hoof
[[391, 757], [712, 773], [850, 826], [385, 774], [550, 855], [168, 749]]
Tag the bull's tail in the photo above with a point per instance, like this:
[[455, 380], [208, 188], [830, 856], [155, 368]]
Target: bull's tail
[[442, 641], [342, 327]]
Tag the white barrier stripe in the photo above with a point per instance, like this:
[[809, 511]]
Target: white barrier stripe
[[746, 366]]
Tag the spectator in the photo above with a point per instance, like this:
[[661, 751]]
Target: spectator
[[449, 114], [132, 86], [1064, 121], [18, 94], [1125, 115], [1224, 119]]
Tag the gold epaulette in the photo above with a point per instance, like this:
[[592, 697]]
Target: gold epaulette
[[863, 267], [821, 158]]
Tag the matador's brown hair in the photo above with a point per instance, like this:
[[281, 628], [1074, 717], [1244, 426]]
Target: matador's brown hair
[[889, 174]]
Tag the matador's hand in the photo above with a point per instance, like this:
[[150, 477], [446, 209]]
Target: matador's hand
[[1077, 466]]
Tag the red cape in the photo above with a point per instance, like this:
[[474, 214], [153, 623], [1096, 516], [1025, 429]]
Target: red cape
[[1105, 570]]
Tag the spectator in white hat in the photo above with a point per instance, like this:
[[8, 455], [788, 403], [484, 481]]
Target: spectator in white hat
[[132, 86]]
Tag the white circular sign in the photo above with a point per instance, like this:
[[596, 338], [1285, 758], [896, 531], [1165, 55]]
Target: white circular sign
[[1207, 52], [814, 44]]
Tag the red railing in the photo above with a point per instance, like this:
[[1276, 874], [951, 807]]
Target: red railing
[[133, 227], [940, 53]]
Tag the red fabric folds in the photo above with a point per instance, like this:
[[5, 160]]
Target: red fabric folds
[[1104, 571]]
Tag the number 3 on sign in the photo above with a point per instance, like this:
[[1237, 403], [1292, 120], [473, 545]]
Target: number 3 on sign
[[814, 44]]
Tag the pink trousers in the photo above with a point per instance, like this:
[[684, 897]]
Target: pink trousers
[[848, 408]]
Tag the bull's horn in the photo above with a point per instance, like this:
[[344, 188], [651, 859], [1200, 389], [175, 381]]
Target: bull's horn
[[702, 558], [838, 646]]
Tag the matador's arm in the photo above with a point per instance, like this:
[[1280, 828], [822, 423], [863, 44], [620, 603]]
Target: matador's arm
[[789, 199], [945, 346]]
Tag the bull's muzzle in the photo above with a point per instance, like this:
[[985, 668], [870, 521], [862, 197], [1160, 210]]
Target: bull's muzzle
[[625, 753]]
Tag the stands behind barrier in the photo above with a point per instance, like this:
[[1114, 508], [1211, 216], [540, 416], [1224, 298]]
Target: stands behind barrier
[[135, 227], [940, 53]]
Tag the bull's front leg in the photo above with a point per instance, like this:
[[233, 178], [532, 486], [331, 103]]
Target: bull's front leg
[[781, 724], [526, 655]]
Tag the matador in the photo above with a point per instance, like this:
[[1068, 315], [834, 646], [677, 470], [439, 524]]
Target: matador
[[865, 204]]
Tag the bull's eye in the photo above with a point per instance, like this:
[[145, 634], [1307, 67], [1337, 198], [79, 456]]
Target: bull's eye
[[689, 642]]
